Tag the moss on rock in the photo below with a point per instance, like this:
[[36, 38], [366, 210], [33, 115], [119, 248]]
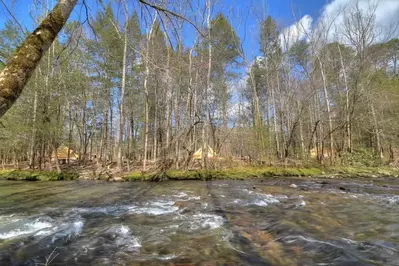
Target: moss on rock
[[28, 175]]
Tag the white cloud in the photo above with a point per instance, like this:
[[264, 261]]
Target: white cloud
[[386, 15], [296, 32], [332, 17]]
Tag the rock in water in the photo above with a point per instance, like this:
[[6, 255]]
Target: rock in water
[[301, 203], [293, 186]]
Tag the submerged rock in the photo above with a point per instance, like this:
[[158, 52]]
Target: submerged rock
[[293, 186], [181, 204], [301, 203]]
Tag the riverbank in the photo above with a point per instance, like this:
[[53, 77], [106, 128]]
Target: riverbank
[[243, 173], [239, 173], [29, 175]]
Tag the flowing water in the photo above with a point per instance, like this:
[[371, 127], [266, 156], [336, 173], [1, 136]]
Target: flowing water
[[319, 222]]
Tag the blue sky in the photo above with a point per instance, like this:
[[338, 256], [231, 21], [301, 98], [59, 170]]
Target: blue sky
[[285, 12], [279, 9]]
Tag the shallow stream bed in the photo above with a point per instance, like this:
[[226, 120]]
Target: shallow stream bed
[[258, 222]]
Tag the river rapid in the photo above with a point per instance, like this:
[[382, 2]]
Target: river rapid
[[256, 222]]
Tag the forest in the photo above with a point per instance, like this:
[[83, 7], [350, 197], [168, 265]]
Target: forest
[[190, 84]]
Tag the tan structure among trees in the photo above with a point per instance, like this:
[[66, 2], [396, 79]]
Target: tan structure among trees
[[208, 152], [64, 155]]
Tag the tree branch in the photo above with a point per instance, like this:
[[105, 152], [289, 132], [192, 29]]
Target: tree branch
[[24, 31], [166, 11]]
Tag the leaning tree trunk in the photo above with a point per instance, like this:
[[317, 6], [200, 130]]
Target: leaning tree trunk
[[25, 60]]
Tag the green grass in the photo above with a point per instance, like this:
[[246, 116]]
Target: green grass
[[27, 175], [364, 171], [243, 173]]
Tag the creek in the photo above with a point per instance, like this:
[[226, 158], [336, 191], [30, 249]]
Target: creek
[[253, 222]]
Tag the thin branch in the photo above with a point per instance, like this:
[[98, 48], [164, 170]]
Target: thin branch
[[24, 31], [88, 20], [166, 11]]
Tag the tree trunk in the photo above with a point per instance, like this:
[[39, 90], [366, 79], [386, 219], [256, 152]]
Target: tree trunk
[[190, 96], [105, 148], [147, 74], [168, 99], [111, 132], [128, 140], [327, 101], [377, 132], [155, 130], [301, 133], [122, 92], [268, 115], [33, 137], [57, 165], [70, 125], [348, 122], [208, 88], [275, 124], [281, 112], [27, 57]]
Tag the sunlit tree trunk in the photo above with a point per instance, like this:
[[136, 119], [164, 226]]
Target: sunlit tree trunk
[[70, 127], [327, 102], [155, 130], [277, 142], [168, 97], [190, 96], [33, 137], [347, 117], [301, 139], [208, 88], [147, 102], [268, 115]]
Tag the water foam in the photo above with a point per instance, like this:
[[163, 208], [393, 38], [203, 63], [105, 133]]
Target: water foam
[[25, 228], [207, 221], [160, 207], [391, 199], [68, 230], [124, 238], [186, 197], [181, 195], [16, 226], [259, 199], [108, 210], [200, 221]]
